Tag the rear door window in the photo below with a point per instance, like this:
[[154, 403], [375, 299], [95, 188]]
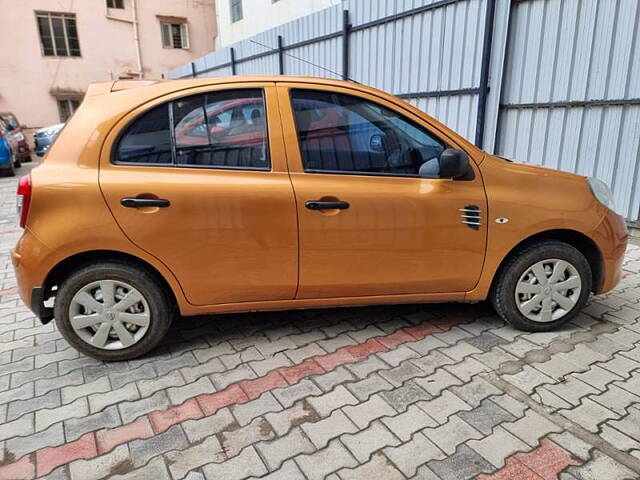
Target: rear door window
[[221, 129], [225, 129]]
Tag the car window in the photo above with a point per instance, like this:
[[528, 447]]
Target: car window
[[346, 134], [217, 129], [221, 129], [147, 139]]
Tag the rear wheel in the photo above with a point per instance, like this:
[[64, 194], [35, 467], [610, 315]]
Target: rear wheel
[[113, 311], [542, 286]]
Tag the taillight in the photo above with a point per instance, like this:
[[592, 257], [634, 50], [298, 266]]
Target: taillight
[[24, 198]]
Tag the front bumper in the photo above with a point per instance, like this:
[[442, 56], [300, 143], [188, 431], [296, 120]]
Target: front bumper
[[612, 237]]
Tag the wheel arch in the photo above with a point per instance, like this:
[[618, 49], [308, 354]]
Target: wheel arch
[[65, 267], [576, 239]]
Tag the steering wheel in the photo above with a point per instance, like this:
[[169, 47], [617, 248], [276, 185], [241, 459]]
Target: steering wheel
[[404, 157]]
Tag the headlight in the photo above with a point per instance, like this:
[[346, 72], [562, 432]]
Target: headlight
[[602, 192], [19, 136]]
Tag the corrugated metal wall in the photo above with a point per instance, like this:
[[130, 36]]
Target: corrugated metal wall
[[546, 56], [405, 56], [571, 91]]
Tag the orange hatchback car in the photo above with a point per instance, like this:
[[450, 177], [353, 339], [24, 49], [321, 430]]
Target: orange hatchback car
[[258, 193]]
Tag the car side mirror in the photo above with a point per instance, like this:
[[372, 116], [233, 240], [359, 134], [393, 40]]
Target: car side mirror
[[454, 164]]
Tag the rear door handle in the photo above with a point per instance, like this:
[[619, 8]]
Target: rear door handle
[[144, 202], [322, 205]]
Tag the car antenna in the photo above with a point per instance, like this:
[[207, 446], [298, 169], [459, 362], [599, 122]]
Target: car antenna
[[304, 61]]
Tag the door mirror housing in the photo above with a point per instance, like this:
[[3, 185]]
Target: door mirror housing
[[454, 164]]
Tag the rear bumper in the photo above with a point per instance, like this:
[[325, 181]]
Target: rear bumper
[[611, 236], [27, 258]]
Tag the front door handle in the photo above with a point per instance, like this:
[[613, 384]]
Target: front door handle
[[322, 205], [144, 202]]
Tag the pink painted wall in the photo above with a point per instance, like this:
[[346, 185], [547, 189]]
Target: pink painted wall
[[107, 47]]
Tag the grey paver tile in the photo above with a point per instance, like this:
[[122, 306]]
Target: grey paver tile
[[462, 465]]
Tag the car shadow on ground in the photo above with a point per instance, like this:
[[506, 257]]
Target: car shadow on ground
[[246, 329]]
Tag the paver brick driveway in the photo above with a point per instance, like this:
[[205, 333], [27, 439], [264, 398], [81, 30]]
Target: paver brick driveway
[[445, 391]]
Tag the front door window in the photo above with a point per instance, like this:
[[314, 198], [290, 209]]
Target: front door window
[[345, 134]]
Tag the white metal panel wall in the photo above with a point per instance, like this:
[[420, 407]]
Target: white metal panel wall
[[582, 51], [439, 49]]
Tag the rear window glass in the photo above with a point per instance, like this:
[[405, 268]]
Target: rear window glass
[[222, 129], [148, 139]]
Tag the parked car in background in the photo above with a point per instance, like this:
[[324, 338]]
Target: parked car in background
[[268, 193], [17, 132], [6, 156], [12, 144], [44, 137]]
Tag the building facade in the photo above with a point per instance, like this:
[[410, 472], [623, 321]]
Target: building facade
[[53, 49], [239, 19]]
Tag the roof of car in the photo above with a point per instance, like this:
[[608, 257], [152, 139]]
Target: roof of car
[[127, 84]]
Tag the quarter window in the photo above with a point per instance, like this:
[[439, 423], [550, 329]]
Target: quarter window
[[148, 139], [345, 134], [58, 34], [216, 130]]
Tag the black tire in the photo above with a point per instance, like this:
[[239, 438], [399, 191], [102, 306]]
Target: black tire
[[10, 171], [17, 163], [160, 303], [28, 159], [503, 293]]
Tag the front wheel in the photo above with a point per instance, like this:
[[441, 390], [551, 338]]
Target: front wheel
[[542, 286], [113, 311]]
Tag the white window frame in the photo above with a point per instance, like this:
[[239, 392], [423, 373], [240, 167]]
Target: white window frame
[[68, 101], [63, 16], [115, 2], [184, 34]]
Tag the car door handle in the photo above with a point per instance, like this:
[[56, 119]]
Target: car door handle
[[144, 202], [322, 205]]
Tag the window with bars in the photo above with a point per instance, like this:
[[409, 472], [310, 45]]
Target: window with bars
[[175, 35], [236, 10], [66, 107], [115, 3], [58, 34]]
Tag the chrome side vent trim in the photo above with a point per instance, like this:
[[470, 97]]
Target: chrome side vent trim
[[471, 216]]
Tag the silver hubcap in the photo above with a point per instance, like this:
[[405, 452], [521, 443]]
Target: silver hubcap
[[109, 314], [548, 290]]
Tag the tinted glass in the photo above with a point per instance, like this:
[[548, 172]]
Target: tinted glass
[[221, 129], [45, 36], [72, 37], [147, 139], [58, 36], [342, 133]]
